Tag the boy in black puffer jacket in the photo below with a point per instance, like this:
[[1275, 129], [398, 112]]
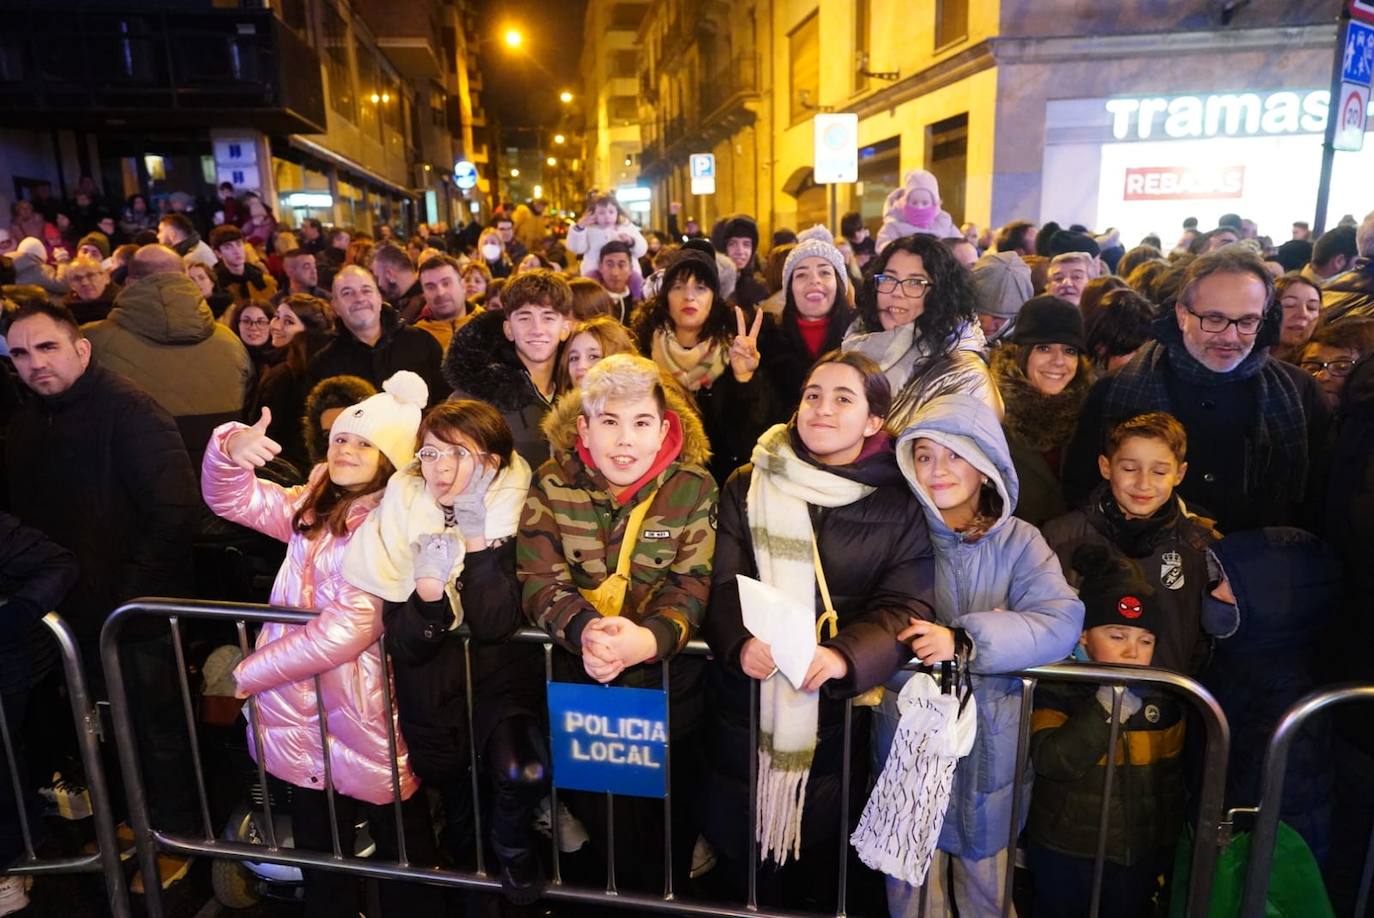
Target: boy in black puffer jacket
[[1071, 730], [1137, 516]]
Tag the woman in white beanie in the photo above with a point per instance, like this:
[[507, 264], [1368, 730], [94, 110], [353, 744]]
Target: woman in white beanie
[[816, 312], [329, 668]]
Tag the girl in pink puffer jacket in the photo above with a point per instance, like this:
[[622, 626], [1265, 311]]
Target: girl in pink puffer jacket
[[367, 442]]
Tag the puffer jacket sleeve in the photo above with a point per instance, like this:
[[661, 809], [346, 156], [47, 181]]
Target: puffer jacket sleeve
[[1070, 731], [39, 572], [1045, 618], [241, 497], [547, 592], [906, 590], [579, 238], [724, 628], [349, 622], [676, 611]]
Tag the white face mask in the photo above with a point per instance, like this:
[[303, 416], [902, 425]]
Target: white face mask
[[491, 251]]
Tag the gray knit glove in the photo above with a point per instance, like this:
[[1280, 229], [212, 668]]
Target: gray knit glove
[[469, 507], [1130, 702], [435, 554]]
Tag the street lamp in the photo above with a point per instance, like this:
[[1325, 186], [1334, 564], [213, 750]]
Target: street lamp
[[551, 161], [559, 138], [565, 97], [515, 173], [513, 38]]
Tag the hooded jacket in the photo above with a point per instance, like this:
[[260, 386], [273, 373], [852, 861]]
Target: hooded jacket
[[340, 646], [482, 364], [1287, 585], [879, 568], [570, 536], [1007, 592], [31, 268], [161, 335], [101, 470]]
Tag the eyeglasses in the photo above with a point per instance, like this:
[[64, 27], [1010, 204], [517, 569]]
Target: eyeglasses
[[255, 323], [431, 454], [913, 288], [1340, 367], [1216, 324]]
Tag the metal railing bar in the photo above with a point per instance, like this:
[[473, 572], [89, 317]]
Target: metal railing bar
[[325, 751], [188, 711], [472, 759], [393, 753], [1104, 818]]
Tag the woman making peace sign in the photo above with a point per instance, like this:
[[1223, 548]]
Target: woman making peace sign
[[688, 331]]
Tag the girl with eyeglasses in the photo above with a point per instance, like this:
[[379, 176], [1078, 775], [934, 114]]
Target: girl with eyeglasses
[[1333, 352], [440, 552], [916, 321]]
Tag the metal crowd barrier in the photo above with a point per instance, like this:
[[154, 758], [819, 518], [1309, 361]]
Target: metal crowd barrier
[[1264, 835], [149, 839], [106, 859]]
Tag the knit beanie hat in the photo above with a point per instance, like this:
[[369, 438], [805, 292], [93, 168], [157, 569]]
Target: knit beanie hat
[[698, 255], [1114, 591], [814, 242], [390, 419], [740, 226], [921, 180], [1003, 284], [97, 239], [1048, 319]]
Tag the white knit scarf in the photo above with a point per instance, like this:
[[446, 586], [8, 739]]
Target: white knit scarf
[[693, 367], [781, 487]]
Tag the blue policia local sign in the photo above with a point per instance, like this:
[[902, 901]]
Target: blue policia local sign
[[609, 739]]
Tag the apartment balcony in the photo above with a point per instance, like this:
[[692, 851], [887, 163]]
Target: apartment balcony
[[407, 33], [730, 97], [177, 67]]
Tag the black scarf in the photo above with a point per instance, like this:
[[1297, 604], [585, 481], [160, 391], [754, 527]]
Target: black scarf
[[1135, 537], [1278, 436]]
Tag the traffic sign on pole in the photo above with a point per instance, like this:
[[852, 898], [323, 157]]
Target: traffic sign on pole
[[837, 148], [1350, 110], [703, 166], [464, 175]]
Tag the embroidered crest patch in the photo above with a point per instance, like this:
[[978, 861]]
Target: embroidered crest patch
[[1171, 570]]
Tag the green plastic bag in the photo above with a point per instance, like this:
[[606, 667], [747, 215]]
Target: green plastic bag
[[1296, 889]]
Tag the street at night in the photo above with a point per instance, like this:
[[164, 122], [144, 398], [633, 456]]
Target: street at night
[[565, 458]]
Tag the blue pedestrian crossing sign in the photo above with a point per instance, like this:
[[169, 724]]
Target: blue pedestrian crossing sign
[[1357, 61]]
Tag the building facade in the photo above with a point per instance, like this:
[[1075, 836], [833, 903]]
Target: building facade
[[349, 111], [1131, 115], [609, 70]]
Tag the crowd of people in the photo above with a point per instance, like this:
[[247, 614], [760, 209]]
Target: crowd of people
[[1012, 448]]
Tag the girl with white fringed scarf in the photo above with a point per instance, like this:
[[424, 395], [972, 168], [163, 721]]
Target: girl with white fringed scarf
[[821, 516]]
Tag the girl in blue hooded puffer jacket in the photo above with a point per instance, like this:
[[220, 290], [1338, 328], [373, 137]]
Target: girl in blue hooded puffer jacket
[[998, 582]]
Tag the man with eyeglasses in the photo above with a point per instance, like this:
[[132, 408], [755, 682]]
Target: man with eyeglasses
[[1255, 425]]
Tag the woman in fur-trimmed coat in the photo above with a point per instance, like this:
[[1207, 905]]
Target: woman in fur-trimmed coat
[[1044, 376]]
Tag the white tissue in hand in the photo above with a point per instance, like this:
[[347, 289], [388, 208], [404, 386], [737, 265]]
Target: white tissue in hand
[[785, 625]]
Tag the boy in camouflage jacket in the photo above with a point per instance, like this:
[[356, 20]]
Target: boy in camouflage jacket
[[619, 441]]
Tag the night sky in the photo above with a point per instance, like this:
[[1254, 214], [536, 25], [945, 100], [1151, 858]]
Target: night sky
[[521, 87]]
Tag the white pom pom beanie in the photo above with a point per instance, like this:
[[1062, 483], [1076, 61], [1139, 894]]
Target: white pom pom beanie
[[389, 419], [816, 242]]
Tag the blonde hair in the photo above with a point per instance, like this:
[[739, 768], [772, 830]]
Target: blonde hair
[[621, 376], [610, 334]]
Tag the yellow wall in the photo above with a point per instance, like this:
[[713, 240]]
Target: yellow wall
[[902, 37]]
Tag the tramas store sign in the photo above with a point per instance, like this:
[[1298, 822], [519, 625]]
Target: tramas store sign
[[1241, 114]]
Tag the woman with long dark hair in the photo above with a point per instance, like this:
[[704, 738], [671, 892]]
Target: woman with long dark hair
[[689, 331], [916, 320], [815, 315], [301, 326]]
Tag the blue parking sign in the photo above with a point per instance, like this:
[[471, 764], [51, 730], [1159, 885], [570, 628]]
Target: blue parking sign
[[609, 739]]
